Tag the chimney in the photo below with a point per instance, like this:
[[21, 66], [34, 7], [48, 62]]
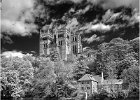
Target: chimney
[[102, 78]]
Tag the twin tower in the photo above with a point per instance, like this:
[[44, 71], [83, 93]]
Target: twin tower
[[60, 39]]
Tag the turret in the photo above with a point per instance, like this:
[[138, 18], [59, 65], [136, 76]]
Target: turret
[[45, 40]]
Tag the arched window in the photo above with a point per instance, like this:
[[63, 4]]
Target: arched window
[[74, 39], [74, 49], [45, 45], [54, 38], [60, 43]]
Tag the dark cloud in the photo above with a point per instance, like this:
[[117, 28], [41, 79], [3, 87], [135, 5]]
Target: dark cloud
[[55, 10], [24, 44], [107, 4], [123, 23], [5, 39]]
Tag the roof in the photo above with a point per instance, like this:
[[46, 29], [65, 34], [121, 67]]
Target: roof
[[113, 81], [98, 78], [88, 77]]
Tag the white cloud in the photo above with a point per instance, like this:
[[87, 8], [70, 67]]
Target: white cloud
[[17, 27], [11, 9], [12, 54], [72, 24], [92, 38], [14, 14], [110, 16], [89, 27], [135, 18], [100, 27]]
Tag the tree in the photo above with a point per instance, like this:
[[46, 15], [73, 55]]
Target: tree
[[63, 86], [129, 61], [135, 44], [59, 68], [80, 68], [17, 75], [51, 79], [131, 76], [44, 77], [110, 55]]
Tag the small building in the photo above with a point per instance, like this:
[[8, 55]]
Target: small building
[[89, 83], [93, 84]]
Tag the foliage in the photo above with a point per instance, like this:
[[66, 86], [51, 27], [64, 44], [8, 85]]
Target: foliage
[[99, 96], [113, 57], [51, 77], [118, 59], [129, 61], [44, 77], [62, 88], [17, 75], [80, 68], [134, 93], [135, 44], [59, 68], [112, 53], [131, 76], [113, 95]]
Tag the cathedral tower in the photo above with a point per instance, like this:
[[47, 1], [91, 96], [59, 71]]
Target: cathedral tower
[[62, 39]]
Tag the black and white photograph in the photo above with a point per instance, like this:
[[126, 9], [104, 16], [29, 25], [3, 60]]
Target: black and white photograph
[[69, 49]]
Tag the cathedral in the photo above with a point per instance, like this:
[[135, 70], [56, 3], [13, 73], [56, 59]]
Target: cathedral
[[61, 39]]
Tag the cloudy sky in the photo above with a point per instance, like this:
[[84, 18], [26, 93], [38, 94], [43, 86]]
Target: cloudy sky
[[20, 28]]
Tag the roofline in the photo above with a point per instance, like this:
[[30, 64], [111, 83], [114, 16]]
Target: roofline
[[87, 80]]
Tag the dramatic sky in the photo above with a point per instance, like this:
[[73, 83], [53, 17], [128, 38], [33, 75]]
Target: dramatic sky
[[99, 21]]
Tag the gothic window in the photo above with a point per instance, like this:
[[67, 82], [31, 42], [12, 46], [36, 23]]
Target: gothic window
[[54, 38], [88, 88], [60, 35], [60, 43], [45, 45], [74, 39], [74, 49]]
